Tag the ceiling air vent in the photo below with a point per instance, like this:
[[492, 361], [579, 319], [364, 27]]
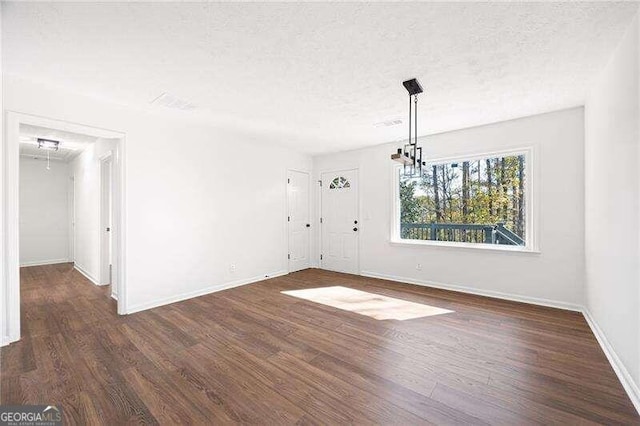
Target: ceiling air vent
[[169, 101], [388, 123]]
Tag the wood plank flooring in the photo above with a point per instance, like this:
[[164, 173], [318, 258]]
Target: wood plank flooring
[[254, 355]]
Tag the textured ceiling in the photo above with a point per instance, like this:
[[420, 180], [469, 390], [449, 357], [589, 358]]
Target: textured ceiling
[[71, 144], [320, 76]]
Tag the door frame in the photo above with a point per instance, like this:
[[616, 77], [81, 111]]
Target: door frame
[[308, 173], [72, 218], [358, 201], [10, 247]]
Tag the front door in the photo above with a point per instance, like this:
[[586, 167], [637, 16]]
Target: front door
[[340, 221]]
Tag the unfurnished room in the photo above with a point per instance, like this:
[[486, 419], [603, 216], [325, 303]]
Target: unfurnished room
[[274, 213]]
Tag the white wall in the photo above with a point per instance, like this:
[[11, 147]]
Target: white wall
[[555, 274], [613, 204], [198, 198], [85, 170], [4, 320], [44, 213]]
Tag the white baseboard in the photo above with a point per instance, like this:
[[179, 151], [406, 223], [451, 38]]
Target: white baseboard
[[201, 292], [43, 262], [6, 340], [621, 371], [85, 273], [488, 293]]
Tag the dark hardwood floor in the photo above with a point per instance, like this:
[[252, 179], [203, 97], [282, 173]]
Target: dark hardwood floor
[[254, 355]]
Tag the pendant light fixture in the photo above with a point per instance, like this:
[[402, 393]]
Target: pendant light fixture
[[48, 145], [410, 156]]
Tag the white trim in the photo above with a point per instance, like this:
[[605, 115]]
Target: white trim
[[4, 315], [201, 292], [7, 340], [66, 126], [488, 293], [86, 274], [106, 156], [11, 241], [464, 246], [119, 237], [71, 205], [621, 371], [43, 262], [531, 188]]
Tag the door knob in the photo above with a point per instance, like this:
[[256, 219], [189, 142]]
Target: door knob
[[355, 229]]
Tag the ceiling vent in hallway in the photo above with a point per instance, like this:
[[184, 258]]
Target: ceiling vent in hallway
[[169, 101], [389, 123]]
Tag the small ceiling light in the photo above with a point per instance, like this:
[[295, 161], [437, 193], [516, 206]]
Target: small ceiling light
[[48, 144], [411, 155]]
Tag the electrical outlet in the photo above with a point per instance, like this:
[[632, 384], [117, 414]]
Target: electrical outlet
[[419, 266], [232, 267]]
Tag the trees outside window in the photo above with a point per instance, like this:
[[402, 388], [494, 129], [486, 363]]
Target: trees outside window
[[474, 201]]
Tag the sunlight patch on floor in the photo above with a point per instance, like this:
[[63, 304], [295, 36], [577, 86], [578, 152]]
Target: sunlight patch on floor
[[370, 304]]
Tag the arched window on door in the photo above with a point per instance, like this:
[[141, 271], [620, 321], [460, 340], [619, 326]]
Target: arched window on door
[[339, 182]]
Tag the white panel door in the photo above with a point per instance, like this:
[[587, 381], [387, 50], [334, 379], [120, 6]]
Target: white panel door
[[340, 222], [298, 220], [105, 220]]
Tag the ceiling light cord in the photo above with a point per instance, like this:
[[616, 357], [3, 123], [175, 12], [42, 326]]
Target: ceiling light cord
[[405, 165], [415, 145]]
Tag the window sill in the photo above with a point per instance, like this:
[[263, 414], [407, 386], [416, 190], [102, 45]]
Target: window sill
[[464, 246]]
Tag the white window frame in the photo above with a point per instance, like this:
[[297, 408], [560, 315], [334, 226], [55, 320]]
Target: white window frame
[[531, 202]]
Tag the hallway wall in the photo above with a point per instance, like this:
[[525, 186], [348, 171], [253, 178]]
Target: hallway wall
[[85, 170], [44, 212]]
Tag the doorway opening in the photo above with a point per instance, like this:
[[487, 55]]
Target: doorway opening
[[64, 198]]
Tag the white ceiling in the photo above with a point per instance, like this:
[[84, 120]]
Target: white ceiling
[[71, 144], [320, 76]]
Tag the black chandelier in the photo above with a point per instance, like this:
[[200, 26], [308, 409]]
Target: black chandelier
[[411, 155]]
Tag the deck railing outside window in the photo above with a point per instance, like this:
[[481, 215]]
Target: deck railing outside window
[[460, 232]]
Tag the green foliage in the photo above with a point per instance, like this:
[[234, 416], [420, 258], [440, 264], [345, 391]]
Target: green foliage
[[410, 205], [488, 192]]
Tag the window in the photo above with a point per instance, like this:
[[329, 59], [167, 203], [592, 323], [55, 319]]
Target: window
[[479, 200], [339, 182]]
